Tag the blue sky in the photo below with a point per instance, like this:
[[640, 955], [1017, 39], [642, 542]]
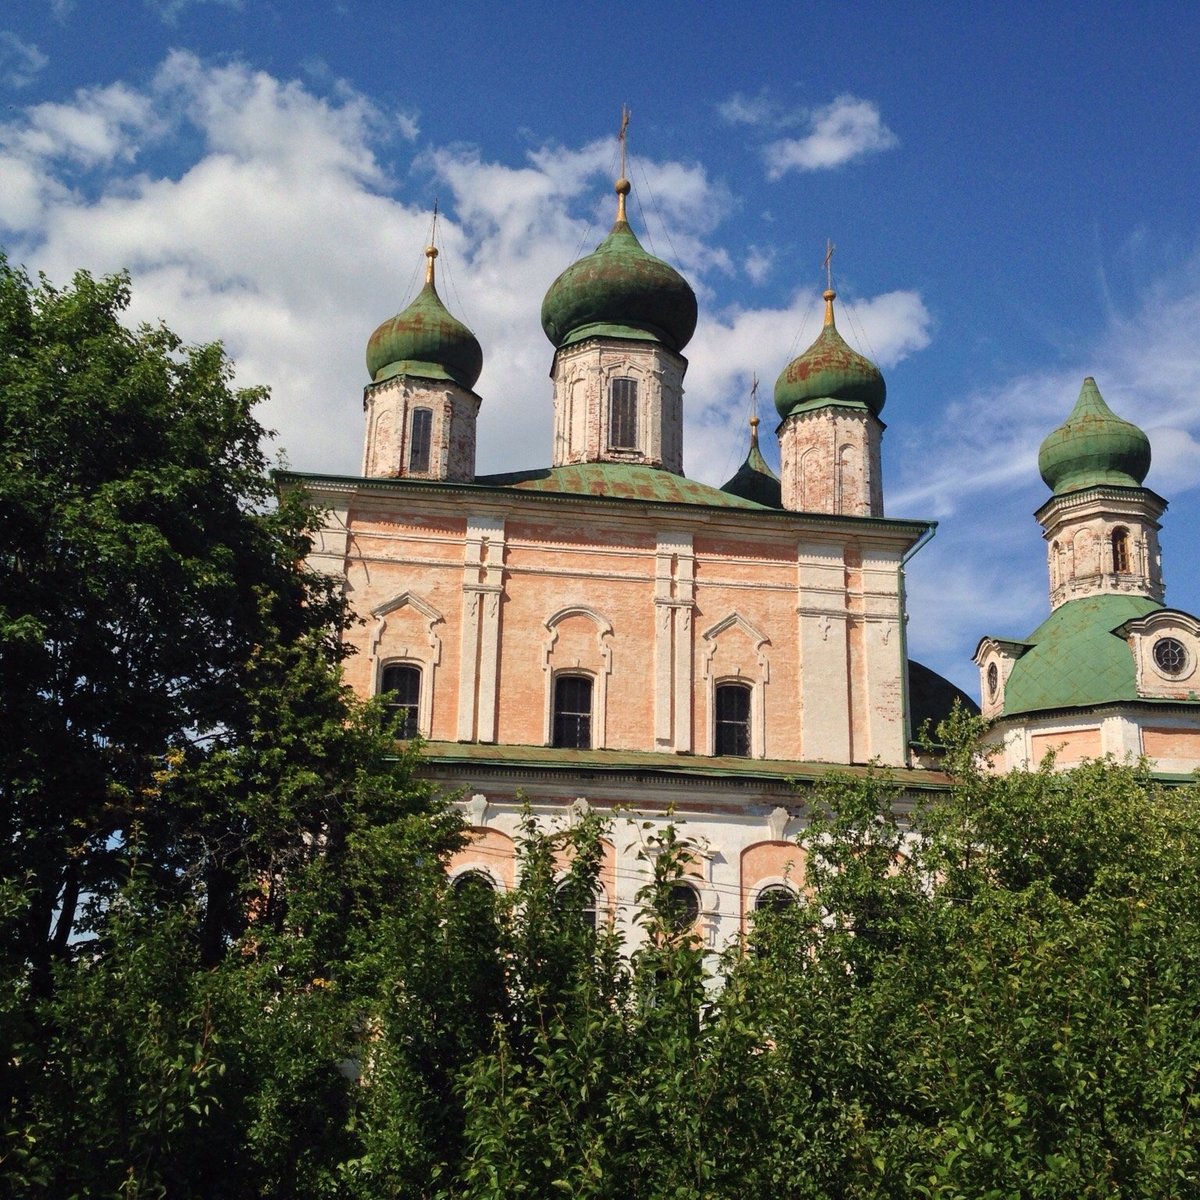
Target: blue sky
[[1011, 190]]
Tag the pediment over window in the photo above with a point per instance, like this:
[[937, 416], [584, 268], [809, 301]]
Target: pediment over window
[[1166, 651]]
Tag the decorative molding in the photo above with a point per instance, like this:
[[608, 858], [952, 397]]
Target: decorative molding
[[777, 820], [477, 808], [760, 640], [603, 626], [408, 600]]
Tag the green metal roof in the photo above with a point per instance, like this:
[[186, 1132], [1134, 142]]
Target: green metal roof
[[624, 480], [1075, 660], [1093, 446], [754, 479], [640, 762], [427, 341], [619, 290], [829, 372], [612, 483]]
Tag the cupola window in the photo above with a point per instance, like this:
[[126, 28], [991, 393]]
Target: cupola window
[[573, 712], [732, 732], [402, 686], [1170, 657], [993, 680], [622, 414], [1120, 551], [419, 440]]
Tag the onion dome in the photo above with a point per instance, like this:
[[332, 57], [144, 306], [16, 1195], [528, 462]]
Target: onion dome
[[620, 291], [425, 340], [829, 372], [754, 479], [1093, 446]]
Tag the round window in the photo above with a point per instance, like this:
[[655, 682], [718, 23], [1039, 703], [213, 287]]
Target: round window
[[993, 680], [682, 907], [1169, 656]]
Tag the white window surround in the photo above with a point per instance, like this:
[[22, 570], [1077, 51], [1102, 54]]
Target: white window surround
[[755, 675], [765, 884], [426, 655], [598, 669]]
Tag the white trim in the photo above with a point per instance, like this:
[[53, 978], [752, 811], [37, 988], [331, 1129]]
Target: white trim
[[598, 671]]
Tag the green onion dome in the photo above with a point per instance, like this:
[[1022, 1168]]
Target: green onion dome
[[829, 372], [425, 340], [1093, 446], [620, 291]]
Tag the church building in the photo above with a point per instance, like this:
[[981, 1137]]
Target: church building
[[1111, 670], [605, 634]]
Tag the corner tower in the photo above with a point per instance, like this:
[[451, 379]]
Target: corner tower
[[829, 400], [619, 320], [420, 405], [1100, 525]]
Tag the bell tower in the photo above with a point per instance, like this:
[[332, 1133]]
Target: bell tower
[[420, 405], [1100, 524]]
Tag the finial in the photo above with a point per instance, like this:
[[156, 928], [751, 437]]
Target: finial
[[431, 252], [830, 294], [622, 186], [753, 412]]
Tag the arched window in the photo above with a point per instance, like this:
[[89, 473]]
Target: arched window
[[732, 731], [572, 726], [1120, 551], [993, 680], [420, 439], [474, 881], [622, 414], [401, 684], [774, 897]]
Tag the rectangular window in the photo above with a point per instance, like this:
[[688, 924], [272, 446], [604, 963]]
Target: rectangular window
[[422, 434], [573, 712], [733, 720], [402, 686], [622, 415]]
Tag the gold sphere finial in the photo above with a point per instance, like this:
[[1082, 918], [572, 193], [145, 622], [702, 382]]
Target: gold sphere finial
[[431, 252], [830, 297], [622, 188]]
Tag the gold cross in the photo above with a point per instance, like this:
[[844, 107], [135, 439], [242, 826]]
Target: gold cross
[[828, 264], [621, 137]]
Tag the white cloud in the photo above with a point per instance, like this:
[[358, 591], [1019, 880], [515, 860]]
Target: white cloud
[[846, 129], [748, 110], [20, 61], [283, 236], [170, 10]]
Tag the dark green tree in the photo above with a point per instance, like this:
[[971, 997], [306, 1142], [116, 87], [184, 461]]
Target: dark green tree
[[142, 562]]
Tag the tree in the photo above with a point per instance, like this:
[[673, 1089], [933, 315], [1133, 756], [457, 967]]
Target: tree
[[143, 560]]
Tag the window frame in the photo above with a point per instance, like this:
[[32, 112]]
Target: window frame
[[558, 713], [408, 726], [420, 439], [1120, 545], [724, 726], [623, 413]]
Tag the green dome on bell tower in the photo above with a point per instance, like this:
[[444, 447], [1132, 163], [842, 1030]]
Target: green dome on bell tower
[[829, 372], [1093, 447], [620, 291], [425, 340]]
